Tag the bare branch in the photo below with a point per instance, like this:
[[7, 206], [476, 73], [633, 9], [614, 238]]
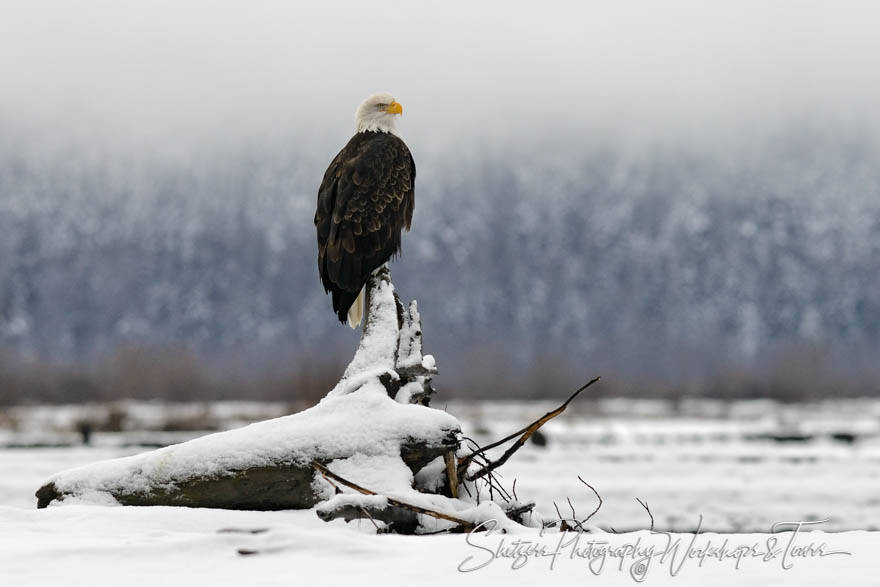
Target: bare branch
[[563, 523], [598, 507], [644, 504], [494, 482], [526, 433], [363, 509], [571, 507]]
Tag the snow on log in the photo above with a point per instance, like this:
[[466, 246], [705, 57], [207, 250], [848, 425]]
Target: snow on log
[[391, 347], [378, 412]]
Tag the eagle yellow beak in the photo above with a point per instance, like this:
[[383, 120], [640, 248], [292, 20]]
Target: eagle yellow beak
[[394, 108]]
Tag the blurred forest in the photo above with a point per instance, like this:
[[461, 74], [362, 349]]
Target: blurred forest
[[748, 270]]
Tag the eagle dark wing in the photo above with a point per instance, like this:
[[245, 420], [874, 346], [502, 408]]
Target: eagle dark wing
[[364, 202]]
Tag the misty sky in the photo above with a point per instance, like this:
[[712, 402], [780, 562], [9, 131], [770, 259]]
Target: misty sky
[[200, 70]]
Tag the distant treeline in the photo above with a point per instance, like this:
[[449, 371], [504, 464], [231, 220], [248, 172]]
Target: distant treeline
[[803, 373], [671, 270]]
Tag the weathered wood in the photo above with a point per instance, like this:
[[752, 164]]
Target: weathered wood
[[451, 473], [279, 486], [404, 521]]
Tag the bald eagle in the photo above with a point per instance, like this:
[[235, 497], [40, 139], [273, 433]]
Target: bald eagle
[[365, 200]]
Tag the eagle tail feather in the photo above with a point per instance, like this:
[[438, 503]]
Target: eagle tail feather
[[356, 311]]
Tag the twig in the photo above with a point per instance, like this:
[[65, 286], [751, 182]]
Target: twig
[[514, 490], [526, 434], [477, 454], [563, 523], [466, 460], [558, 513], [494, 483], [325, 472], [363, 509], [336, 488], [465, 487], [644, 504], [571, 507], [471, 440], [578, 524], [598, 507]]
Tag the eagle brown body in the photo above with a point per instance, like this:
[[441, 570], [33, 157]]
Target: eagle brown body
[[365, 201]]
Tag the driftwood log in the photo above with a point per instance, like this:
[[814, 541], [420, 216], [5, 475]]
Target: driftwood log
[[409, 470], [390, 350], [282, 486]]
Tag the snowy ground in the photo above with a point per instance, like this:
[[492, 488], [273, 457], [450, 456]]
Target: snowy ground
[[92, 545], [742, 467]]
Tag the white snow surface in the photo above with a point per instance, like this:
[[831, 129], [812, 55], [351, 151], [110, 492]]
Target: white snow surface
[[335, 428], [686, 465], [134, 546]]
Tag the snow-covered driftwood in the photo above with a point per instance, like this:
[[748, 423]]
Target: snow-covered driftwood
[[391, 348], [371, 449], [376, 415]]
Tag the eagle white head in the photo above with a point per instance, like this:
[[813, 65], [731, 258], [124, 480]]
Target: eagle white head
[[377, 113]]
